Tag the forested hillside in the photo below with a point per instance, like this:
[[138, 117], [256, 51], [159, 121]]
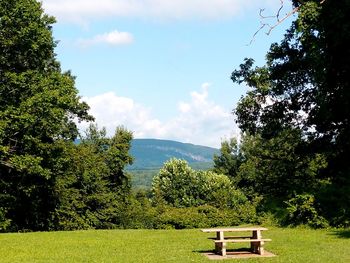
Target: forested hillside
[[152, 153]]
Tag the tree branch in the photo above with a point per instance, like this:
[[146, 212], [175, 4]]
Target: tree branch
[[279, 21], [277, 16]]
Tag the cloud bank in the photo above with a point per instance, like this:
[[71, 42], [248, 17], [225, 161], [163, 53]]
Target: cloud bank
[[82, 10], [114, 38], [198, 120]]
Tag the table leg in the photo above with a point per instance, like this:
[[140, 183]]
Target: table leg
[[253, 245], [223, 249], [261, 248], [257, 247], [220, 247], [220, 235]]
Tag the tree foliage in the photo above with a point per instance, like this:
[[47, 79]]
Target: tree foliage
[[303, 89], [38, 105], [92, 189], [277, 168], [179, 185], [47, 181], [276, 172], [229, 159]]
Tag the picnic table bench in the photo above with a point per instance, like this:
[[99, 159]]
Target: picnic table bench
[[256, 241]]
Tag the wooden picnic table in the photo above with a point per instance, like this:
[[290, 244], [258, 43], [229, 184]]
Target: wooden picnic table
[[256, 241]]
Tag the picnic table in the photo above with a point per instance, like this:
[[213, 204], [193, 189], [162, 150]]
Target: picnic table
[[255, 239]]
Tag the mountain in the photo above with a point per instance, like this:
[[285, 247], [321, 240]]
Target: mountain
[[152, 153]]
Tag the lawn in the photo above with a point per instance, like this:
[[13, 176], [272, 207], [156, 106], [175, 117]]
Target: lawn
[[290, 245]]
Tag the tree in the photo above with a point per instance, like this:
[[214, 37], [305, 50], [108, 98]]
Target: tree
[[118, 157], [81, 189], [229, 160], [304, 86], [179, 185], [38, 106], [275, 167], [93, 189], [174, 182], [114, 150]]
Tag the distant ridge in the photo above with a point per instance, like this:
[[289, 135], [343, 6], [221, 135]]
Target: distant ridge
[[152, 153]]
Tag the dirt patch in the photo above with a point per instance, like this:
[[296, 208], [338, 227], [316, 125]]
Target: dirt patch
[[237, 254]]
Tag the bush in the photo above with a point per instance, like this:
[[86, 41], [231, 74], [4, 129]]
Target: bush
[[137, 213], [301, 209], [4, 222], [205, 216], [179, 185]]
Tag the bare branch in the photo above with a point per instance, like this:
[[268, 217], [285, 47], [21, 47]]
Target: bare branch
[[262, 16], [279, 21], [252, 40], [279, 10], [277, 16]]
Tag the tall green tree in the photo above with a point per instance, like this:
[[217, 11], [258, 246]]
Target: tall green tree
[[305, 86], [276, 168], [38, 106], [93, 190], [229, 159]]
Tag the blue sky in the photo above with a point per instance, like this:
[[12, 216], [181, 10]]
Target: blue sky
[[161, 68]]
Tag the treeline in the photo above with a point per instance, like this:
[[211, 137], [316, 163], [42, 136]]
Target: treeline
[[289, 167], [46, 181]]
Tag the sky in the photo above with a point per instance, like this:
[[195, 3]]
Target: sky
[[161, 68]]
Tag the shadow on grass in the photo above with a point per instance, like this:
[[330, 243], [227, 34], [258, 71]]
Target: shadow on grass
[[243, 249], [344, 233], [203, 251]]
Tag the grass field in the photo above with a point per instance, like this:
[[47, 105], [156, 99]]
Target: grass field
[[290, 245]]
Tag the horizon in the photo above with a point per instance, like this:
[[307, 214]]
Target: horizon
[[169, 140]]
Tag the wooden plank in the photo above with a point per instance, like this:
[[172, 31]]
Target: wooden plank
[[242, 240], [230, 237], [233, 229]]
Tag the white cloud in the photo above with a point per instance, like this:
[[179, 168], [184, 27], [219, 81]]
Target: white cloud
[[113, 38], [82, 10], [198, 121]]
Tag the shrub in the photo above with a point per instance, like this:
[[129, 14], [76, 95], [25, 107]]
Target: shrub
[[205, 216], [137, 214], [4, 222], [179, 185], [301, 209]]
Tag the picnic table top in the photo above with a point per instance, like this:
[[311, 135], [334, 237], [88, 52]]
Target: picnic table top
[[233, 229]]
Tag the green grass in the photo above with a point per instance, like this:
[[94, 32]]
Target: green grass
[[290, 245]]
